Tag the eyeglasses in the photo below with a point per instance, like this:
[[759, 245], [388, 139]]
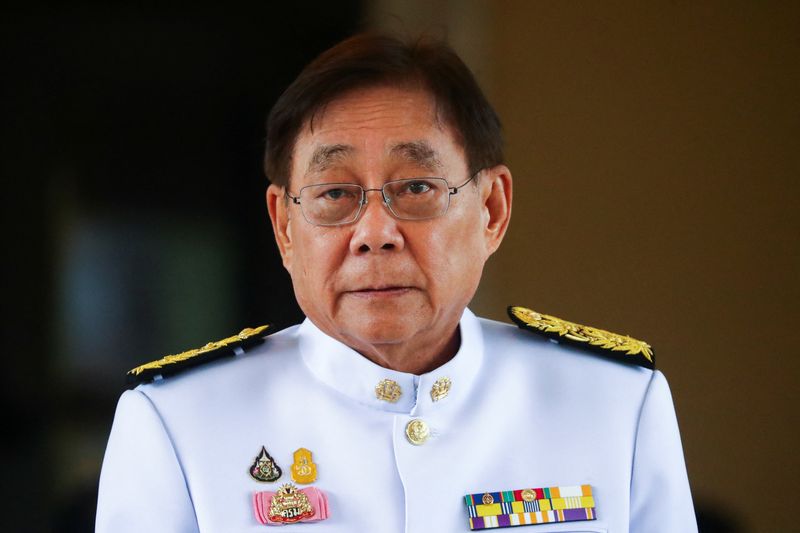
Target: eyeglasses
[[335, 204]]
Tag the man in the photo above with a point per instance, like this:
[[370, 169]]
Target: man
[[392, 407]]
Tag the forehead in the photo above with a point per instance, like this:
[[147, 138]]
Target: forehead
[[372, 124]]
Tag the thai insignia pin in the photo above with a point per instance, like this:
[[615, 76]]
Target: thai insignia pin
[[289, 505], [264, 467], [303, 469]]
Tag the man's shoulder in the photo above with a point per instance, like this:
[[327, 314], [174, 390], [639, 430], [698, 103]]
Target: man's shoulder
[[558, 341], [616, 346], [213, 359]]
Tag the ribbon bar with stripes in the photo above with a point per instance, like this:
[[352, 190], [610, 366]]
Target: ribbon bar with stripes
[[544, 505]]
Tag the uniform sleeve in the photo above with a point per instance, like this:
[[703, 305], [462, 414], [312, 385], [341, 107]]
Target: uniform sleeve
[[142, 487], [660, 498]]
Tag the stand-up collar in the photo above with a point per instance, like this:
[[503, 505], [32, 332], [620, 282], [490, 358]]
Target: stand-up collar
[[355, 376]]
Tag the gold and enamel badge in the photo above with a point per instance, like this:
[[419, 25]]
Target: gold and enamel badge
[[303, 469], [289, 505], [264, 468]]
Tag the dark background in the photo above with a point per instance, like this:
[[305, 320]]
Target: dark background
[[134, 202]]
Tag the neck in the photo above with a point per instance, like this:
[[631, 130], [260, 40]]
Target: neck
[[418, 356]]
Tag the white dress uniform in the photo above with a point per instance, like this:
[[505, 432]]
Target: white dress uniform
[[521, 411]]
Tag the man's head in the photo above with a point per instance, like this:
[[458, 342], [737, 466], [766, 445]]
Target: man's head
[[393, 289], [374, 60]]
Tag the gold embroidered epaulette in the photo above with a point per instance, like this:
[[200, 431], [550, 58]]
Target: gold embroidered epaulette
[[621, 347], [172, 364]]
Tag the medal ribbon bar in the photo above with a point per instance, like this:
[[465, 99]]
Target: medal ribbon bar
[[530, 506]]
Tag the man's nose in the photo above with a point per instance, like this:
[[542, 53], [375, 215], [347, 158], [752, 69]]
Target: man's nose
[[376, 228]]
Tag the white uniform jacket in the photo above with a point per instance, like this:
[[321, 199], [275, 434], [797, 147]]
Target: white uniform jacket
[[521, 412]]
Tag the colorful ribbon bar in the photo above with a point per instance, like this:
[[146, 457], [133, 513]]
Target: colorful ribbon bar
[[530, 506]]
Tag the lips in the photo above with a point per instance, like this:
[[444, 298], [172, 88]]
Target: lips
[[380, 290]]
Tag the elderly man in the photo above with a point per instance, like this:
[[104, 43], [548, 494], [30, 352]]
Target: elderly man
[[392, 407]]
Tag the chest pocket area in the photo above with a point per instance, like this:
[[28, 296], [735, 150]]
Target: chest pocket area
[[582, 529]]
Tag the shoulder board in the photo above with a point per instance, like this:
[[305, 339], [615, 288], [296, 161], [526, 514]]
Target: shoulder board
[[620, 347], [173, 364]]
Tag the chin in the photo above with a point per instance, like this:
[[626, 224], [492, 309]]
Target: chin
[[378, 329]]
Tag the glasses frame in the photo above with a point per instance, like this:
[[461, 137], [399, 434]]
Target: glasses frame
[[385, 201]]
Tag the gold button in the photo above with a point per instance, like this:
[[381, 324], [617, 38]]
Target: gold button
[[417, 432], [440, 389], [388, 390]]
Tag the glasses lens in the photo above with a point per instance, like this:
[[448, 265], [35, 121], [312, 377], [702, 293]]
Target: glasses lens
[[328, 204], [417, 198]]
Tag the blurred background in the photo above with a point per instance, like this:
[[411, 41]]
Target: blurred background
[[656, 155]]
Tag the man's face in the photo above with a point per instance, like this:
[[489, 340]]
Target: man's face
[[381, 281]]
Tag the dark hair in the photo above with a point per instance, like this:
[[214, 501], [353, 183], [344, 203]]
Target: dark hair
[[366, 60]]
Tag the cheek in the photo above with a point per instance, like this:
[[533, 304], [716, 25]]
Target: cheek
[[317, 257], [452, 258]]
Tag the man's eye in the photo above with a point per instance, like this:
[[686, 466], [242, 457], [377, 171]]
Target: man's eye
[[336, 194], [418, 187]]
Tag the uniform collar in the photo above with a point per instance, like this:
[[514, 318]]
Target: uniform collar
[[355, 376]]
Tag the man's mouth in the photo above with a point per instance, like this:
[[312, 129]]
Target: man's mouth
[[381, 291]]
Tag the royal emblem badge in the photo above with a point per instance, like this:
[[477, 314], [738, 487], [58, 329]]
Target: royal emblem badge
[[264, 468], [289, 505], [304, 470]]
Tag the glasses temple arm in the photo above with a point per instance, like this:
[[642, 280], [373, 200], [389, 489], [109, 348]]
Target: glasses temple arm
[[294, 199], [454, 190]]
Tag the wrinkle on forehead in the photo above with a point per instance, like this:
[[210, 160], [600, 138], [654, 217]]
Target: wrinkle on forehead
[[361, 103]]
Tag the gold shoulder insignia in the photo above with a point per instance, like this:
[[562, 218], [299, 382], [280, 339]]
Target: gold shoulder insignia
[[172, 364], [621, 347]]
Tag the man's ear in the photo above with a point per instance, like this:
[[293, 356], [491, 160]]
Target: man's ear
[[279, 216], [496, 194]]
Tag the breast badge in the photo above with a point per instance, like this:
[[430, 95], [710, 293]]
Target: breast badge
[[304, 471], [289, 505], [264, 468]]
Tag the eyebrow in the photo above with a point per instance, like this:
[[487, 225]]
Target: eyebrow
[[418, 152], [326, 155]]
